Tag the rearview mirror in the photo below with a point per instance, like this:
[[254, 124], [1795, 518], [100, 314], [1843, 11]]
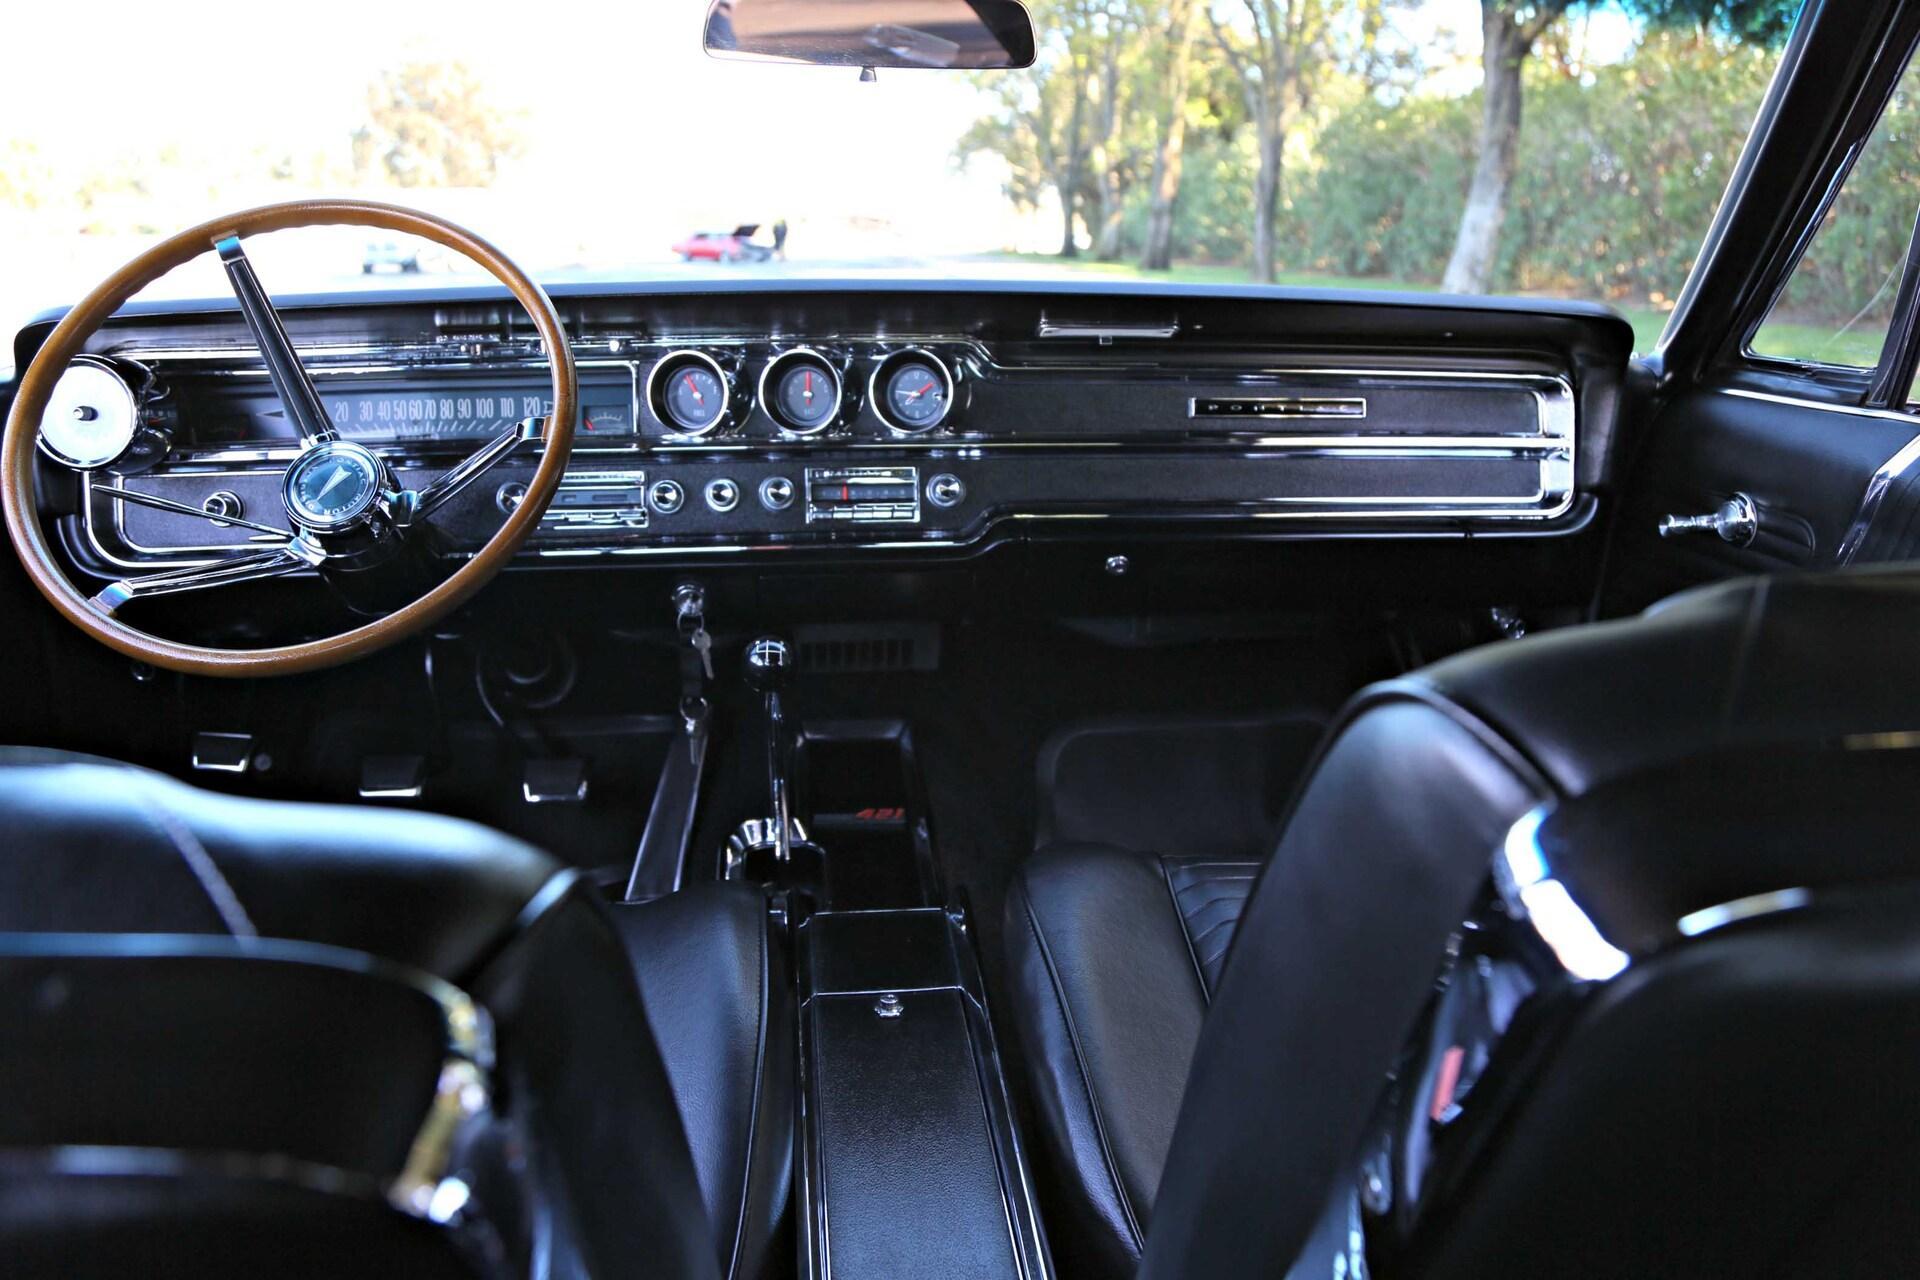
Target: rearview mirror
[[967, 35]]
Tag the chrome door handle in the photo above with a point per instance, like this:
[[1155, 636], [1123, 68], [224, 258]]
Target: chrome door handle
[[1736, 521]]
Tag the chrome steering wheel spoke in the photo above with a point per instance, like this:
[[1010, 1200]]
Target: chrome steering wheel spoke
[[136, 498], [411, 506], [273, 563], [289, 376]]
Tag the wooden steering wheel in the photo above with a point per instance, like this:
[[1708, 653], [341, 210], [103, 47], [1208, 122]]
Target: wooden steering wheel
[[346, 508]]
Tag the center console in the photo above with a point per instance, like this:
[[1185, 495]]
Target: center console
[[908, 1161]]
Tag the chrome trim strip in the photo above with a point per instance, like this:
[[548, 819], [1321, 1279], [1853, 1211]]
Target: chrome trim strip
[[1531, 894], [1892, 470], [1707, 919]]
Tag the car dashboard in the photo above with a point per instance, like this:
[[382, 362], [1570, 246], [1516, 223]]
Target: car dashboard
[[792, 418]]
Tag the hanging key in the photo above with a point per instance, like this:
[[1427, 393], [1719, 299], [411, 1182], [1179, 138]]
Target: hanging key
[[703, 645]]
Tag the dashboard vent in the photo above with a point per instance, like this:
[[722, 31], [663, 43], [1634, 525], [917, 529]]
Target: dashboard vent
[[856, 648]]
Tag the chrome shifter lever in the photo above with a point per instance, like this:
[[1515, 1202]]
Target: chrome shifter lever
[[769, 669]]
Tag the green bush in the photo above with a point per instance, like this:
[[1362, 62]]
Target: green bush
[[1619, 171]]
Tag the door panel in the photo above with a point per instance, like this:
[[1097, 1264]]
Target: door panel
[[1807, 466]]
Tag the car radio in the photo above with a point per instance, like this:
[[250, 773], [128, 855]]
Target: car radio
[[863, 493], [589, 502]]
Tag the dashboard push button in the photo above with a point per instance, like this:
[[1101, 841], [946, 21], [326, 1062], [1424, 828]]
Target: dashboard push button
[[666, 497], [776, 493], [946, 490], [723, 495]]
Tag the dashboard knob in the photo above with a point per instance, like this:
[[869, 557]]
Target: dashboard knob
[[776, 493], [666, 497], [946, 490], [723, 495], [509, 496], [223, 503]]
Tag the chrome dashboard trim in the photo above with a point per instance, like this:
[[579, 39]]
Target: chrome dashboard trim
[[1552, 445]]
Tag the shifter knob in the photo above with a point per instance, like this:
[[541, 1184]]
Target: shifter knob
[[769, 664]]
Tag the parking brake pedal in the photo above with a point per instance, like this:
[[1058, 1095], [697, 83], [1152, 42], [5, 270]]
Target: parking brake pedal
[[554, 781]]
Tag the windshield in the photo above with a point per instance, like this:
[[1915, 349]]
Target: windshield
[[1553, 149]]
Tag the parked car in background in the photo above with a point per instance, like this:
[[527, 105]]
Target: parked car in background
[[724, 246]]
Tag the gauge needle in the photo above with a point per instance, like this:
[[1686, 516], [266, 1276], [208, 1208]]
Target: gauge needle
[[809, 385], [695, 388], [327, 488], [915, 395]]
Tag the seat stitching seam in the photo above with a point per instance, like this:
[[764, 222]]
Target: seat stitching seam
[[206, 872], [1210, 930], [1086, 1081], [1213, 902], [1179, 913]]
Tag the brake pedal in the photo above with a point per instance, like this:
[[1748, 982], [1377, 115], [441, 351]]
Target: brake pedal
[[392, 777], [557, 781]]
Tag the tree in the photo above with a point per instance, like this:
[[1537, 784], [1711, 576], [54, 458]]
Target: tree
[[1279, 58], [1169, 153], [1510, 30], [429, 124]]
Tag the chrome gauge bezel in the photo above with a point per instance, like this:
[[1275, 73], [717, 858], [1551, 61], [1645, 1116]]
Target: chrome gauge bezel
[[126, 401], [656, 400], [770, 382], [877, 390]]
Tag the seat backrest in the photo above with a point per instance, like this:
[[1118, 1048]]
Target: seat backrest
[[196, 1105], [1322, 1026], [339, 931], [1681, 1039]]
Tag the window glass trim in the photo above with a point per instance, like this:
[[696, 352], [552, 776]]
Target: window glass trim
[[1861, 126]]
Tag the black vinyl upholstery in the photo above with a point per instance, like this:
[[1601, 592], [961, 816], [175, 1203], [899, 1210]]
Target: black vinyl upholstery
[[1152, 833], [1386, 850], [596, 1111]]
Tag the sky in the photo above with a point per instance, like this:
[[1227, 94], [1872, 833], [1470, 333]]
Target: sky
[[634, 135]]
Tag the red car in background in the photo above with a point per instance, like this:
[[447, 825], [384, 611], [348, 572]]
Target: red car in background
[[724, 246]]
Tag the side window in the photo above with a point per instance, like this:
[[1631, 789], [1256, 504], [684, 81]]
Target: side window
[[1839, 301]]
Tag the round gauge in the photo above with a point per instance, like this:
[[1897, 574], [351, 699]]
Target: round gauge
[[689, 393], [331, 485], [912, 391], [91, 418], [802, 392]]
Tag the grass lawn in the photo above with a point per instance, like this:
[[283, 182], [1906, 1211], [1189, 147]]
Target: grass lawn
[[1804, 341]]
